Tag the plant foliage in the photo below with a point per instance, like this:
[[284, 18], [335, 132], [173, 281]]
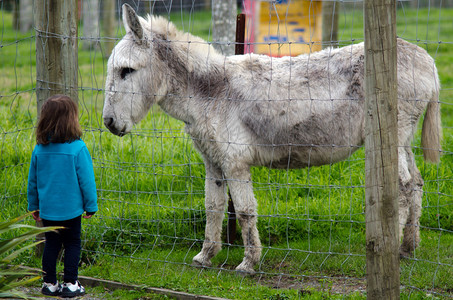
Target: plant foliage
[[12, 276]]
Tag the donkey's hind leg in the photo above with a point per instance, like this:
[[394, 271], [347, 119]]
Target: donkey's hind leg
[[411, 194], [245, 205], [215, 199]]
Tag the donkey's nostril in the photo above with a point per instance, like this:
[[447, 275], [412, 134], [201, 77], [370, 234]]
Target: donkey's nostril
[[108, 122]]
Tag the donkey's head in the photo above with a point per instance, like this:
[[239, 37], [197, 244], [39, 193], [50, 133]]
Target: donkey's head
[[134, 79]]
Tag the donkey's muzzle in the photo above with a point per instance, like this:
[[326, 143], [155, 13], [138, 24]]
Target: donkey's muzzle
[[110, 124]]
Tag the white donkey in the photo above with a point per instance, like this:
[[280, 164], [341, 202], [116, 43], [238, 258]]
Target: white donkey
[[254, 110]]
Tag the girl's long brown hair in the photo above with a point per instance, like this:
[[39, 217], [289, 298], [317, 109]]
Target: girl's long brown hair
[[59, 121]]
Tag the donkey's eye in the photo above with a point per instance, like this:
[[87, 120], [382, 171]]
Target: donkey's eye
[[125, 71]]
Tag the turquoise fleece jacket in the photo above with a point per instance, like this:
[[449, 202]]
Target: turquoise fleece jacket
[[61, 181]]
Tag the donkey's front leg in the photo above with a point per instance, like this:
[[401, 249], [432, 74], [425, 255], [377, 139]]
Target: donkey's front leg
[[215, 199], [245, 205]]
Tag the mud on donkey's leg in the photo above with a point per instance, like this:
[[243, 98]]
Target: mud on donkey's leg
[[245, 205], [414, 195], [410, 201], [215, 200]]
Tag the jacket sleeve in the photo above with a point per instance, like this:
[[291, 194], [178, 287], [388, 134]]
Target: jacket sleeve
[[87, 183], [32, 188]]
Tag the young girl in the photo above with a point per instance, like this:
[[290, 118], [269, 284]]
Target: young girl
[[61, 188]]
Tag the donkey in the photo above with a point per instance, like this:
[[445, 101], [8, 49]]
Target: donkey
[[254, 110]]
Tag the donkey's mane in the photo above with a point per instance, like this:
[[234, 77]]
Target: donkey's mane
[[160, 25], [166, 30]]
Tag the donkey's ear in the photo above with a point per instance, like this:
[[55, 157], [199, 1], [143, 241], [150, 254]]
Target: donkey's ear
[[132, 23]]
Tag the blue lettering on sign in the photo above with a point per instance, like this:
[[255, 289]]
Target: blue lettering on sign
[[301, 40], [299, 29], [275, 39]]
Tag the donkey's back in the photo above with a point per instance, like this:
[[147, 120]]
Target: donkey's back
[[309, 110]]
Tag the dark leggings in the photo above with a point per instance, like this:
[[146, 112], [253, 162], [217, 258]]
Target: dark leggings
[[69, 237]]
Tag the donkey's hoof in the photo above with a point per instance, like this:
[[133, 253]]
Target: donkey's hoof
[[406, 251], [405, 254], [201, 263], [245, 269], [197, 264]]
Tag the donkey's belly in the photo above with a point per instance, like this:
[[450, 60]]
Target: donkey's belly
[[296, 157]]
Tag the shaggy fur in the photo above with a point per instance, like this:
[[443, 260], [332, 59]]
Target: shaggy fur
[[253, 110]]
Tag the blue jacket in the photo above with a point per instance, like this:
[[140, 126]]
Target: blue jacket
[[61, 182]]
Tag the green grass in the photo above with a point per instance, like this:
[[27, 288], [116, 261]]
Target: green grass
[[151, 188]]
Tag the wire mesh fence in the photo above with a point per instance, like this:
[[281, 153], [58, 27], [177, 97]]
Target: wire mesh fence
[[151, 182]]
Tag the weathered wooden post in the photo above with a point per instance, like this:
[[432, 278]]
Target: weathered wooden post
[[56, 55], [56, 49], [381, 152]]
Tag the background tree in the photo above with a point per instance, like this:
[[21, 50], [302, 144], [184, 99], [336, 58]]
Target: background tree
[[90, 16], [224, 25]]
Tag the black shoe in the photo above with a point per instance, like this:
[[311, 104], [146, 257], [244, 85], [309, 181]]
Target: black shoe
[[50, 289], [70, 290]]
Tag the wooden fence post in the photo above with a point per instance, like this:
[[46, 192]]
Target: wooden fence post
[[56, 49], [381, 150], [56, 56]]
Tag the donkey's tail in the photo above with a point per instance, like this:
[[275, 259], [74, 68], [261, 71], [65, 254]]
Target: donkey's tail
[[432, 130]]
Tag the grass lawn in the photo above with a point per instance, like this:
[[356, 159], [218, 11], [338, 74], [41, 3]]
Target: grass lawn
[[151, 188]]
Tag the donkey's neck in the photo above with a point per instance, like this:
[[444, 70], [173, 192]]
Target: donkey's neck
[[189, 62]]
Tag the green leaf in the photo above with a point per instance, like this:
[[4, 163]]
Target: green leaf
[[11, 276], [9, 244], [13, 255]]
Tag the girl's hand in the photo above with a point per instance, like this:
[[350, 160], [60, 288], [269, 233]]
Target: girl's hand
[[88, 215], [36, 215]]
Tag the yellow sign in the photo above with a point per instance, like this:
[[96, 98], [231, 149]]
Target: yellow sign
[[286, 27]]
